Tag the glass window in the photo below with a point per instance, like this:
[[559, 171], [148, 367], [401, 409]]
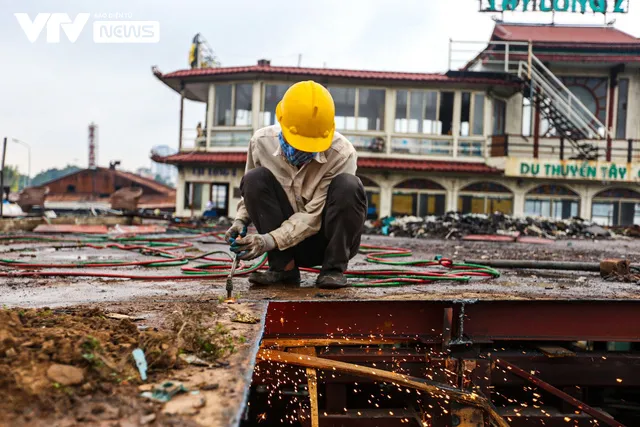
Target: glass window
[[197, 195], [243, 104], [193, 195], [478, 114], [465, 114], [623, 99], [371, 109], [345, 101], [445, 113], [219, 196], [423, 112], [223, 105], [401, 123], [430, 123], [272, 95]]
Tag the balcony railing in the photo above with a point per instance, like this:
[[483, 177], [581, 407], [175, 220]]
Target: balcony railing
[[558, 148]]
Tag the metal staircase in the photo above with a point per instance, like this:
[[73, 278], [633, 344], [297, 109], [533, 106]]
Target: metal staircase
[[570, 117]]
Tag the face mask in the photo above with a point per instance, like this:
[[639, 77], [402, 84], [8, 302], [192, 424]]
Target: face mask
[[294, 157]]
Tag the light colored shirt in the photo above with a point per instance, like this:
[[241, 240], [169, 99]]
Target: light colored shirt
[[306, 187]]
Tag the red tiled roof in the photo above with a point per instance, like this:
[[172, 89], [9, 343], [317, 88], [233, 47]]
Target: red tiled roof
[[196, 157], [324, 72], [363, 162], [562, 34], [425, 165]]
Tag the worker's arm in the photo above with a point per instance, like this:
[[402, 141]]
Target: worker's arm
[[307, 222], [241, 212]]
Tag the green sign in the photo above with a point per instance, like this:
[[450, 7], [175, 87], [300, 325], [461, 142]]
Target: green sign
[[573, 6], [573, 170]]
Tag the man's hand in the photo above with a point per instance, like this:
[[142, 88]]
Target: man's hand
[[238, 228], [253, 246]]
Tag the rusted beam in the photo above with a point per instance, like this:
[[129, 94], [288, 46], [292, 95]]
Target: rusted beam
[[484, 321], [599, 415], [471, 399], [312, 383], [327, 342]]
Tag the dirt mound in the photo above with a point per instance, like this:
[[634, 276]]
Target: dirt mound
[[51, 358]]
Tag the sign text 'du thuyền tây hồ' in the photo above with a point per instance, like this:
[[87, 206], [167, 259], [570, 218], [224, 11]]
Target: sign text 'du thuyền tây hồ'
[[573, 170], [571, 6]]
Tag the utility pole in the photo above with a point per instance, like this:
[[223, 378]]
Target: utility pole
[[4, 154]]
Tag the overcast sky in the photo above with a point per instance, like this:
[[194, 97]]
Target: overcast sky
[[51, 92]]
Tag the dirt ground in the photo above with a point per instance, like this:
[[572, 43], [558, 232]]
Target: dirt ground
[[78, 328], [74, 366]]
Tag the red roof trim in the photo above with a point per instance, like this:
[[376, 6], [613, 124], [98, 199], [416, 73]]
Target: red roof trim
[[325, 72], [363, 162], [554, 34]]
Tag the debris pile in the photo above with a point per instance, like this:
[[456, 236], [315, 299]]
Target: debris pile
[[454, 226]]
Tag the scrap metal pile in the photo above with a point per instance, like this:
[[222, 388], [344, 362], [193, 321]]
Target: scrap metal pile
[[453, 226]]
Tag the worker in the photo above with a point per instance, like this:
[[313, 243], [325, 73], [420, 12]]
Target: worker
[[301, 193]]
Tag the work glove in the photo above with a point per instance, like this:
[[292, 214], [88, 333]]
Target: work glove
[[238, 228], [252, 246]]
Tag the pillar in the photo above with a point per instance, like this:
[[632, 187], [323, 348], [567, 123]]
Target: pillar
[[256, 106], [181, 115], [210, 103], [586, 201], [457, 114], [518, 202], [452, 196], [386, 194], [180, 192], [389, 111]]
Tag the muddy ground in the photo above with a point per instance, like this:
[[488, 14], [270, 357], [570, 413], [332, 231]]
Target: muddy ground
[[74, 366], [78, 328]]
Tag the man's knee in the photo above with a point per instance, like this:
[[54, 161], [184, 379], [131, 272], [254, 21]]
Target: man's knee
[[255, 182], [345, 189]]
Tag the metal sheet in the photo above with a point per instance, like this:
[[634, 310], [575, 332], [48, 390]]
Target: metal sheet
[[484, 321], [534, 240], [137, 229], [489, 238], [71, 228]]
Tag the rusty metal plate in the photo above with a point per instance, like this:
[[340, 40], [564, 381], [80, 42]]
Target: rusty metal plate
[[534, 240], [489, 238], [71, 228], [137, 229]]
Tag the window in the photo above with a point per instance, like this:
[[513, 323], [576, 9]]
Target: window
[[71, 188], [623, 100], [223, 105], [616, 207], [427, 112], [345, 101], [233, 104], [193, 195], [419, 197], [272, 95], [472, 114], [243, 104], [485, 198], [370, 109], [499, 116], [527, 117]]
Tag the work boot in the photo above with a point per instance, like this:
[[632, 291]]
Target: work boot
[[331, 280], [271, 277]]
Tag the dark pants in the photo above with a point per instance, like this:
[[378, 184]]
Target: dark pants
[[343, 219]]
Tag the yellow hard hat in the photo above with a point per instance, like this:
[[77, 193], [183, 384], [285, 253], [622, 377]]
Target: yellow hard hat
[[307, 117]]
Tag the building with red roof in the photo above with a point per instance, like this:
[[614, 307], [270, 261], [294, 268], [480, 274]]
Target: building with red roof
[[543, 120]]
